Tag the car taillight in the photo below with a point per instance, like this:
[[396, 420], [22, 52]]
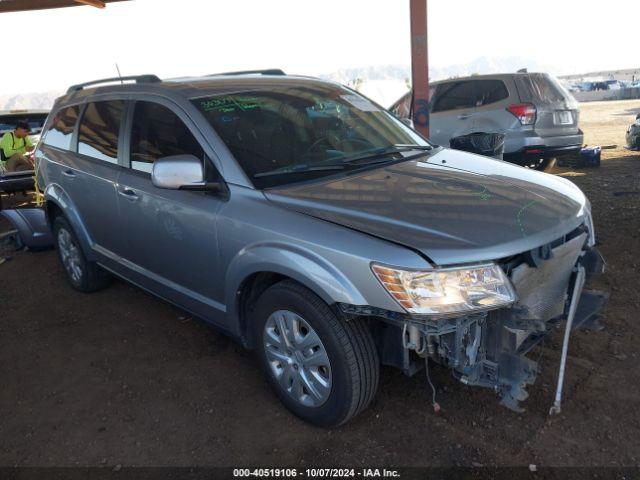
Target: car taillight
[[525, 112]]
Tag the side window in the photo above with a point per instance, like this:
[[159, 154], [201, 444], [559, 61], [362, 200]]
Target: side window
[[538, 87], [99, 130], [158, 132], [402, 108], [454, 96], [61, 129], [490, 91]]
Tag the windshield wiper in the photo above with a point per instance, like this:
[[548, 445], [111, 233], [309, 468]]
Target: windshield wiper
[[384, 152], [300, 169], [377, 156]]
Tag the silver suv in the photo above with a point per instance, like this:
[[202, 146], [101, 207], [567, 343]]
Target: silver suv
[[538, 116], [310, 224]]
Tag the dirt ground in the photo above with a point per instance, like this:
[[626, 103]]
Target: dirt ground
[[121, 378]]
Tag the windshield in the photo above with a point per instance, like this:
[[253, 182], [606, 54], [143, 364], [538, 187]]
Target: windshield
[[293, 133]]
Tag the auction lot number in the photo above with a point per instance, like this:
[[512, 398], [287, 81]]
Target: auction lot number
[[314, 472]]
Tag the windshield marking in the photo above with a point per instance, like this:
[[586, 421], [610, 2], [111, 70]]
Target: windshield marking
[[229, 104]]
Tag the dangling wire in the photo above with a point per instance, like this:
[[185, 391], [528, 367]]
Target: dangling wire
[[436, 405], [420, 351], [39, 196]]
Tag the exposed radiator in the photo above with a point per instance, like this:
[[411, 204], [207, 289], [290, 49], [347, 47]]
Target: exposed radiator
[[543, 289]]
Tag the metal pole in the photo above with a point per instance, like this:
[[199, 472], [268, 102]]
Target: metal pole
[[420, 66]]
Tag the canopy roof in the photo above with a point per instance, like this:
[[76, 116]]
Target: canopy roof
[[24, 5]]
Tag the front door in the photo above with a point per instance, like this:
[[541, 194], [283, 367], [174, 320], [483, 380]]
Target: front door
[[171, 234]]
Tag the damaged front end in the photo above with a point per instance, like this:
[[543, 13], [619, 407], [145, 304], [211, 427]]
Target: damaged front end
[[490, 348]]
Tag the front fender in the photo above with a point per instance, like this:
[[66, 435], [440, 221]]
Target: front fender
[[306, 267], [55, 194]]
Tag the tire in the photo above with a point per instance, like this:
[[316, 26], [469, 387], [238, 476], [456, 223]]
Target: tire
[[540, 164], [548, 164], [337, 390], [82, 274]]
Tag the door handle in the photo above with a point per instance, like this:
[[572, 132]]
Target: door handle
[[128, 194], [464, 116], [69, 173]]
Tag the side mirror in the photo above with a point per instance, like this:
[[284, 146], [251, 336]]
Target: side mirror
[[408, 122], [181, 172]]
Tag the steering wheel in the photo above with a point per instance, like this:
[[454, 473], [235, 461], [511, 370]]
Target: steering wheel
[[319, 141], [356, 143]]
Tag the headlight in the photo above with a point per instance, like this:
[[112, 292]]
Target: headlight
[[589, 222], [447, 291]]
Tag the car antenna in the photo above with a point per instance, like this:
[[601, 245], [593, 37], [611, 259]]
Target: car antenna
[[119, 75]]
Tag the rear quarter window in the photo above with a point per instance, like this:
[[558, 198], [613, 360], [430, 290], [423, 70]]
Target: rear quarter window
[[61, 129], [538, 88]]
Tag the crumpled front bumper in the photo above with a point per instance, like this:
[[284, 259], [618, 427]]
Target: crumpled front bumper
[[490, 349]]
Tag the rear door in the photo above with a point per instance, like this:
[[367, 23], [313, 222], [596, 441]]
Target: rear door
[[453, 111], [557, 110], [171, 237], [89, 172], [492, 100]]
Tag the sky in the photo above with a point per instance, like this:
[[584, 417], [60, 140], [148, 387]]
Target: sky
[[171, 38]]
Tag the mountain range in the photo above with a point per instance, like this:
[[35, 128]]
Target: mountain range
[[478, 66], [383, 83]]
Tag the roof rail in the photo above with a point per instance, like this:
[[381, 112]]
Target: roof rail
[[136, 78], [268, 71]]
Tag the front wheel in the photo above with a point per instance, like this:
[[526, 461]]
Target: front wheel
[[323, 368]]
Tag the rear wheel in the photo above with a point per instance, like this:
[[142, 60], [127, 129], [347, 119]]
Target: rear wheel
[[546, 164], [82, 274], [540, 164], [323, 368]]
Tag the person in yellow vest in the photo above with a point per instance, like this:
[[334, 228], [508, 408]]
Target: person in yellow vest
[[14, 147]]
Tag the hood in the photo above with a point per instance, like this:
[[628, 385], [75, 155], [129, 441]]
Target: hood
[[452, 206]]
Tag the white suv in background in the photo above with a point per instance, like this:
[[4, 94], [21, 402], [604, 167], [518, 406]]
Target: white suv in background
[[537, 115]]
